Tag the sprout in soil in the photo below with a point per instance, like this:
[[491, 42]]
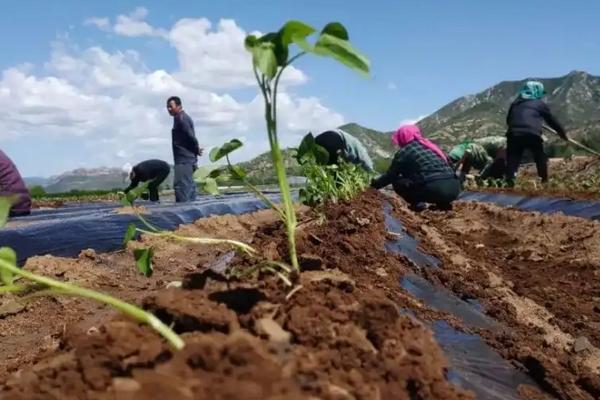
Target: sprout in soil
[[270, 58], [9, 272]]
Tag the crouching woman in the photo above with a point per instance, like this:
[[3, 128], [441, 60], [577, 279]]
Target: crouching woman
[[420, 172]]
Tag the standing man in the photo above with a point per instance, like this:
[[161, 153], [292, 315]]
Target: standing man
[[185, 151], [155, 171], [11, 184]]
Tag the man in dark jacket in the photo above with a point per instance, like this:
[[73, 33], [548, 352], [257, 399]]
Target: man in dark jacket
[[149, 170], [185, 151], [525, 119], [11, 184]]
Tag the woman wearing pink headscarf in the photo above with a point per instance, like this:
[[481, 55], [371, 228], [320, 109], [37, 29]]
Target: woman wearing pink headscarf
[[420, 172]]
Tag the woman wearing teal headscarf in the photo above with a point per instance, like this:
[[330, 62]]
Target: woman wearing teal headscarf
[[525, 118]]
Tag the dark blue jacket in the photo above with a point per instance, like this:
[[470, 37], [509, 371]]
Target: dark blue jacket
[[525, 117], [149, 170], [185, 144]]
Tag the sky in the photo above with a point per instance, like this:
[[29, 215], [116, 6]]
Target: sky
[[84, 84]]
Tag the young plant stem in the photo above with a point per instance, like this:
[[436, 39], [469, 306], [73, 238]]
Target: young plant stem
[[258, 193], [129, 309], [240, 245]]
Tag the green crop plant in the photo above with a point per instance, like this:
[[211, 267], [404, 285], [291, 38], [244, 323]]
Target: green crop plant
[[10, 272], [270, 58], [328, 183]]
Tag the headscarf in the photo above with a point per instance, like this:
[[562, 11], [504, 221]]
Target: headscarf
[[532, 90], [407, 133]]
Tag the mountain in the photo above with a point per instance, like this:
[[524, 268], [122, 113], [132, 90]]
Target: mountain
[[573, 98]]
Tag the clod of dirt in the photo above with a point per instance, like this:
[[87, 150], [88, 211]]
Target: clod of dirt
[[335, 277], [270, 251], [273, 331], [11, 308], [125, 385], [220, 264], [310, 262], [581, 344], [200, 280], [190, 311], [87, 253], [240, 300]]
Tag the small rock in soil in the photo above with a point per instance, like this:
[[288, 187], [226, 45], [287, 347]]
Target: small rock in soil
[[87, 253], [11, 308], [310, 262], [271, 329], [381, 272], [581, 344], [125, 385], [270, 251]]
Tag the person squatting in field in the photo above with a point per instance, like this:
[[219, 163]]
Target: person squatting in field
[[185, 151], [155, 171], [420, 172], [525, 120], [486, 154], [339, 143], [11, 184]]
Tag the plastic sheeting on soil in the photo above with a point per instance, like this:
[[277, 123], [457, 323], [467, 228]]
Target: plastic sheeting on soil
[[473, 364], [576, 208], [68, 230]]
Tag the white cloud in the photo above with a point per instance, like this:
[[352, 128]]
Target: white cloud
[[392, 86], [114, 105], [101, 23], [134, 25], [412, 121]]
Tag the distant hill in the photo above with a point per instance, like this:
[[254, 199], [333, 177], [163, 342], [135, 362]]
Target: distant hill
[[573, 98]]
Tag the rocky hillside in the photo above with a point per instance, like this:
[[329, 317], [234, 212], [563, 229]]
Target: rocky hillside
[[574, 99]]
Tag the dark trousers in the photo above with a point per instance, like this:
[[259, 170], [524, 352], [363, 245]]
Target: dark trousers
[[497, 168], [153, 186], [441, 192], [184, 185], [516, 145]]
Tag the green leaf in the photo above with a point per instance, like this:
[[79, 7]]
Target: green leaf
[[143, 260], [209, 185], [294, 30], [6, 203], [280, 50], [219, 152], [217, 172], [250, 42], [129, 234], [264, 59], [7, 254], [306, 147], [342, 51], [135, 193], [237, 172], [321, 154], [303, 44], [337, 30]]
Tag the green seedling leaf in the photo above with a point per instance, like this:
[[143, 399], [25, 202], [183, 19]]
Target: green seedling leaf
[[321, 154], [135, 193], [210, 186], [143, 260], [280, 49], [337, 30], [263, 56], [250, 42], [6, 203], [219, 152], [215, 173], [342, 51], [306, 147], [129, 234], [294, 30], [237, 172], [7, 254]]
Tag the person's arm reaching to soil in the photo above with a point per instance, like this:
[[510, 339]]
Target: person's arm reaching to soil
[[552, 121], [393, 172]]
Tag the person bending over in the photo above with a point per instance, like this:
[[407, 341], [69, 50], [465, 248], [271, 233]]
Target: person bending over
[[340, 143], [155, 171]]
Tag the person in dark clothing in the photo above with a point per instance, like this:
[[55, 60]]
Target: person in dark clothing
[[185, 151], [149, 170], [525, 120], [11, 184], [420, 172]]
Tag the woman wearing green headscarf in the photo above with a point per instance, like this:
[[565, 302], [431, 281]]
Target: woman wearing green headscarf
[[525, 119]]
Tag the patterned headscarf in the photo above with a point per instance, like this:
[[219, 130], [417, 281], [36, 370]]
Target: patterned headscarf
[[532, 90]]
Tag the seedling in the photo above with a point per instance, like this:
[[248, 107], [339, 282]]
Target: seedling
[[270, 58], [9, 272]]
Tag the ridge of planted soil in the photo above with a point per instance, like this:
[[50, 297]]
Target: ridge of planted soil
[[537, 274], [342, 335]]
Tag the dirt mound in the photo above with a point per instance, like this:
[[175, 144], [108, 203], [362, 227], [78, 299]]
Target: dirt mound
[[537, 274], [342, 335]]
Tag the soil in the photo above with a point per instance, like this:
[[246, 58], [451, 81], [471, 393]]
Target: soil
[[539, 275], [343, 334]]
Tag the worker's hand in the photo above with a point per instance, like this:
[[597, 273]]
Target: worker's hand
[[200, 151]]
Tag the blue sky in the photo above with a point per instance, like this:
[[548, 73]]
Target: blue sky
[[424, 54]]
